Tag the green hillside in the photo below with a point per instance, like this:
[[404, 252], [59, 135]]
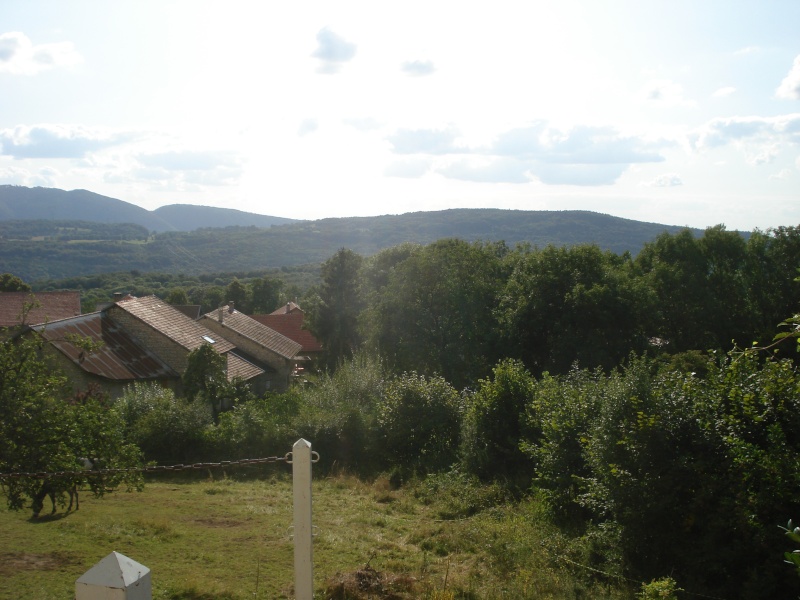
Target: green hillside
[[229, 249]]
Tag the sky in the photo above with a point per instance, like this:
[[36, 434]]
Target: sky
[[679, 112]]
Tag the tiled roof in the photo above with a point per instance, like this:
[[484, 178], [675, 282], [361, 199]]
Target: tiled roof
[[291, 326], [52, 306], [118, 358], [287, 308], [259, 333], [190, 310], [173, 323], [239, 367]]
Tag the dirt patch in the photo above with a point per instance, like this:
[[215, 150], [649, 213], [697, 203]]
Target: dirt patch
[[13, 562], [367, 583]]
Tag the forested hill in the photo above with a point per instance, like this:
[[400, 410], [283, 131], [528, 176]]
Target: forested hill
[[71, 248], [19, 203], [52, 234]]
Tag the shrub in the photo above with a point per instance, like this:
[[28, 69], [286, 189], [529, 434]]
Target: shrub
[[419, 419], [166, 428]]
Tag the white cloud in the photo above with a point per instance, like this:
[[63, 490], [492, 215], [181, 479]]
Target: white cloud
[[418, 68], [19, 56], [724, 92], [407, 169], [362, 124], [497, 170], [57, 141], [425, 141], [194, 167], [307, 126], [664, 180], [45, 177], [723, 131], [333, 51], [747, 50], [789, 88], [582, 155], [664, 92]]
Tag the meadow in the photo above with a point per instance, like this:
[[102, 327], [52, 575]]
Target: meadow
[[229, 538]]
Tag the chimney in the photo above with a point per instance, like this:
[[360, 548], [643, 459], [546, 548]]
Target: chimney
[[220, 313], [118, 296], [230, 306]]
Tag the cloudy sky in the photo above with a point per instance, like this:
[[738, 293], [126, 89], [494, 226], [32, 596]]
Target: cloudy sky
[[678, 112]]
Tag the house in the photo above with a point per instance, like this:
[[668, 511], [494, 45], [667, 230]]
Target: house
[[32, 308], [115, 360], [277, 353], [288, 321], [137, 339], [173, 336]]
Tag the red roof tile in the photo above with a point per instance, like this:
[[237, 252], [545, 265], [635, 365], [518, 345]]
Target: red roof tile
[[48, 306], [291, 325]]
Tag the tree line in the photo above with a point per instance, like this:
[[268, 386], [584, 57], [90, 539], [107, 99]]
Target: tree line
[[456, 308]]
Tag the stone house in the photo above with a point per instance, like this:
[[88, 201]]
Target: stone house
[[138, 339], [274, 352]]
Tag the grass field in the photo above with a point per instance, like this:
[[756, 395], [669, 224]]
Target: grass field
[[220, 538]]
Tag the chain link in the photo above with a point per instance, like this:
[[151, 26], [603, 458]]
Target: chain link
[[148, 469]]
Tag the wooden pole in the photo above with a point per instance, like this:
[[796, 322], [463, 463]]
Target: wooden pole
[[303, 554]]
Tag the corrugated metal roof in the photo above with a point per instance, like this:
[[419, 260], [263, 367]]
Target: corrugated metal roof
[[173, 323], [52, 306], [259, 333], [119, 358]]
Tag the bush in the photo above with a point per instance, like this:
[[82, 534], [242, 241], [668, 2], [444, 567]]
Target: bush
[[493, 425], [339, 415], [419, 420], [166, 428]]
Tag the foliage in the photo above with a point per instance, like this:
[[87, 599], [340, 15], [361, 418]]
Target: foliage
[[677, 463], [563, 306], [206, 377], [432, 312], [166, 428], [333, 318], [418, 421], [339, 413], [12, 283], [42, 430], [494, 421], [660, 589], [257, 428]]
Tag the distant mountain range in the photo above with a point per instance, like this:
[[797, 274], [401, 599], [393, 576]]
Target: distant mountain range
[[18, 203], [51, 234]]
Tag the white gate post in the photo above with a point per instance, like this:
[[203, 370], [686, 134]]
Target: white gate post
[[303, 556]]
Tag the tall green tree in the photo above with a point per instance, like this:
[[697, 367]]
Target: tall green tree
[[333, 318], [433, 312], [574, 305], [265, 294], [236, 292]]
